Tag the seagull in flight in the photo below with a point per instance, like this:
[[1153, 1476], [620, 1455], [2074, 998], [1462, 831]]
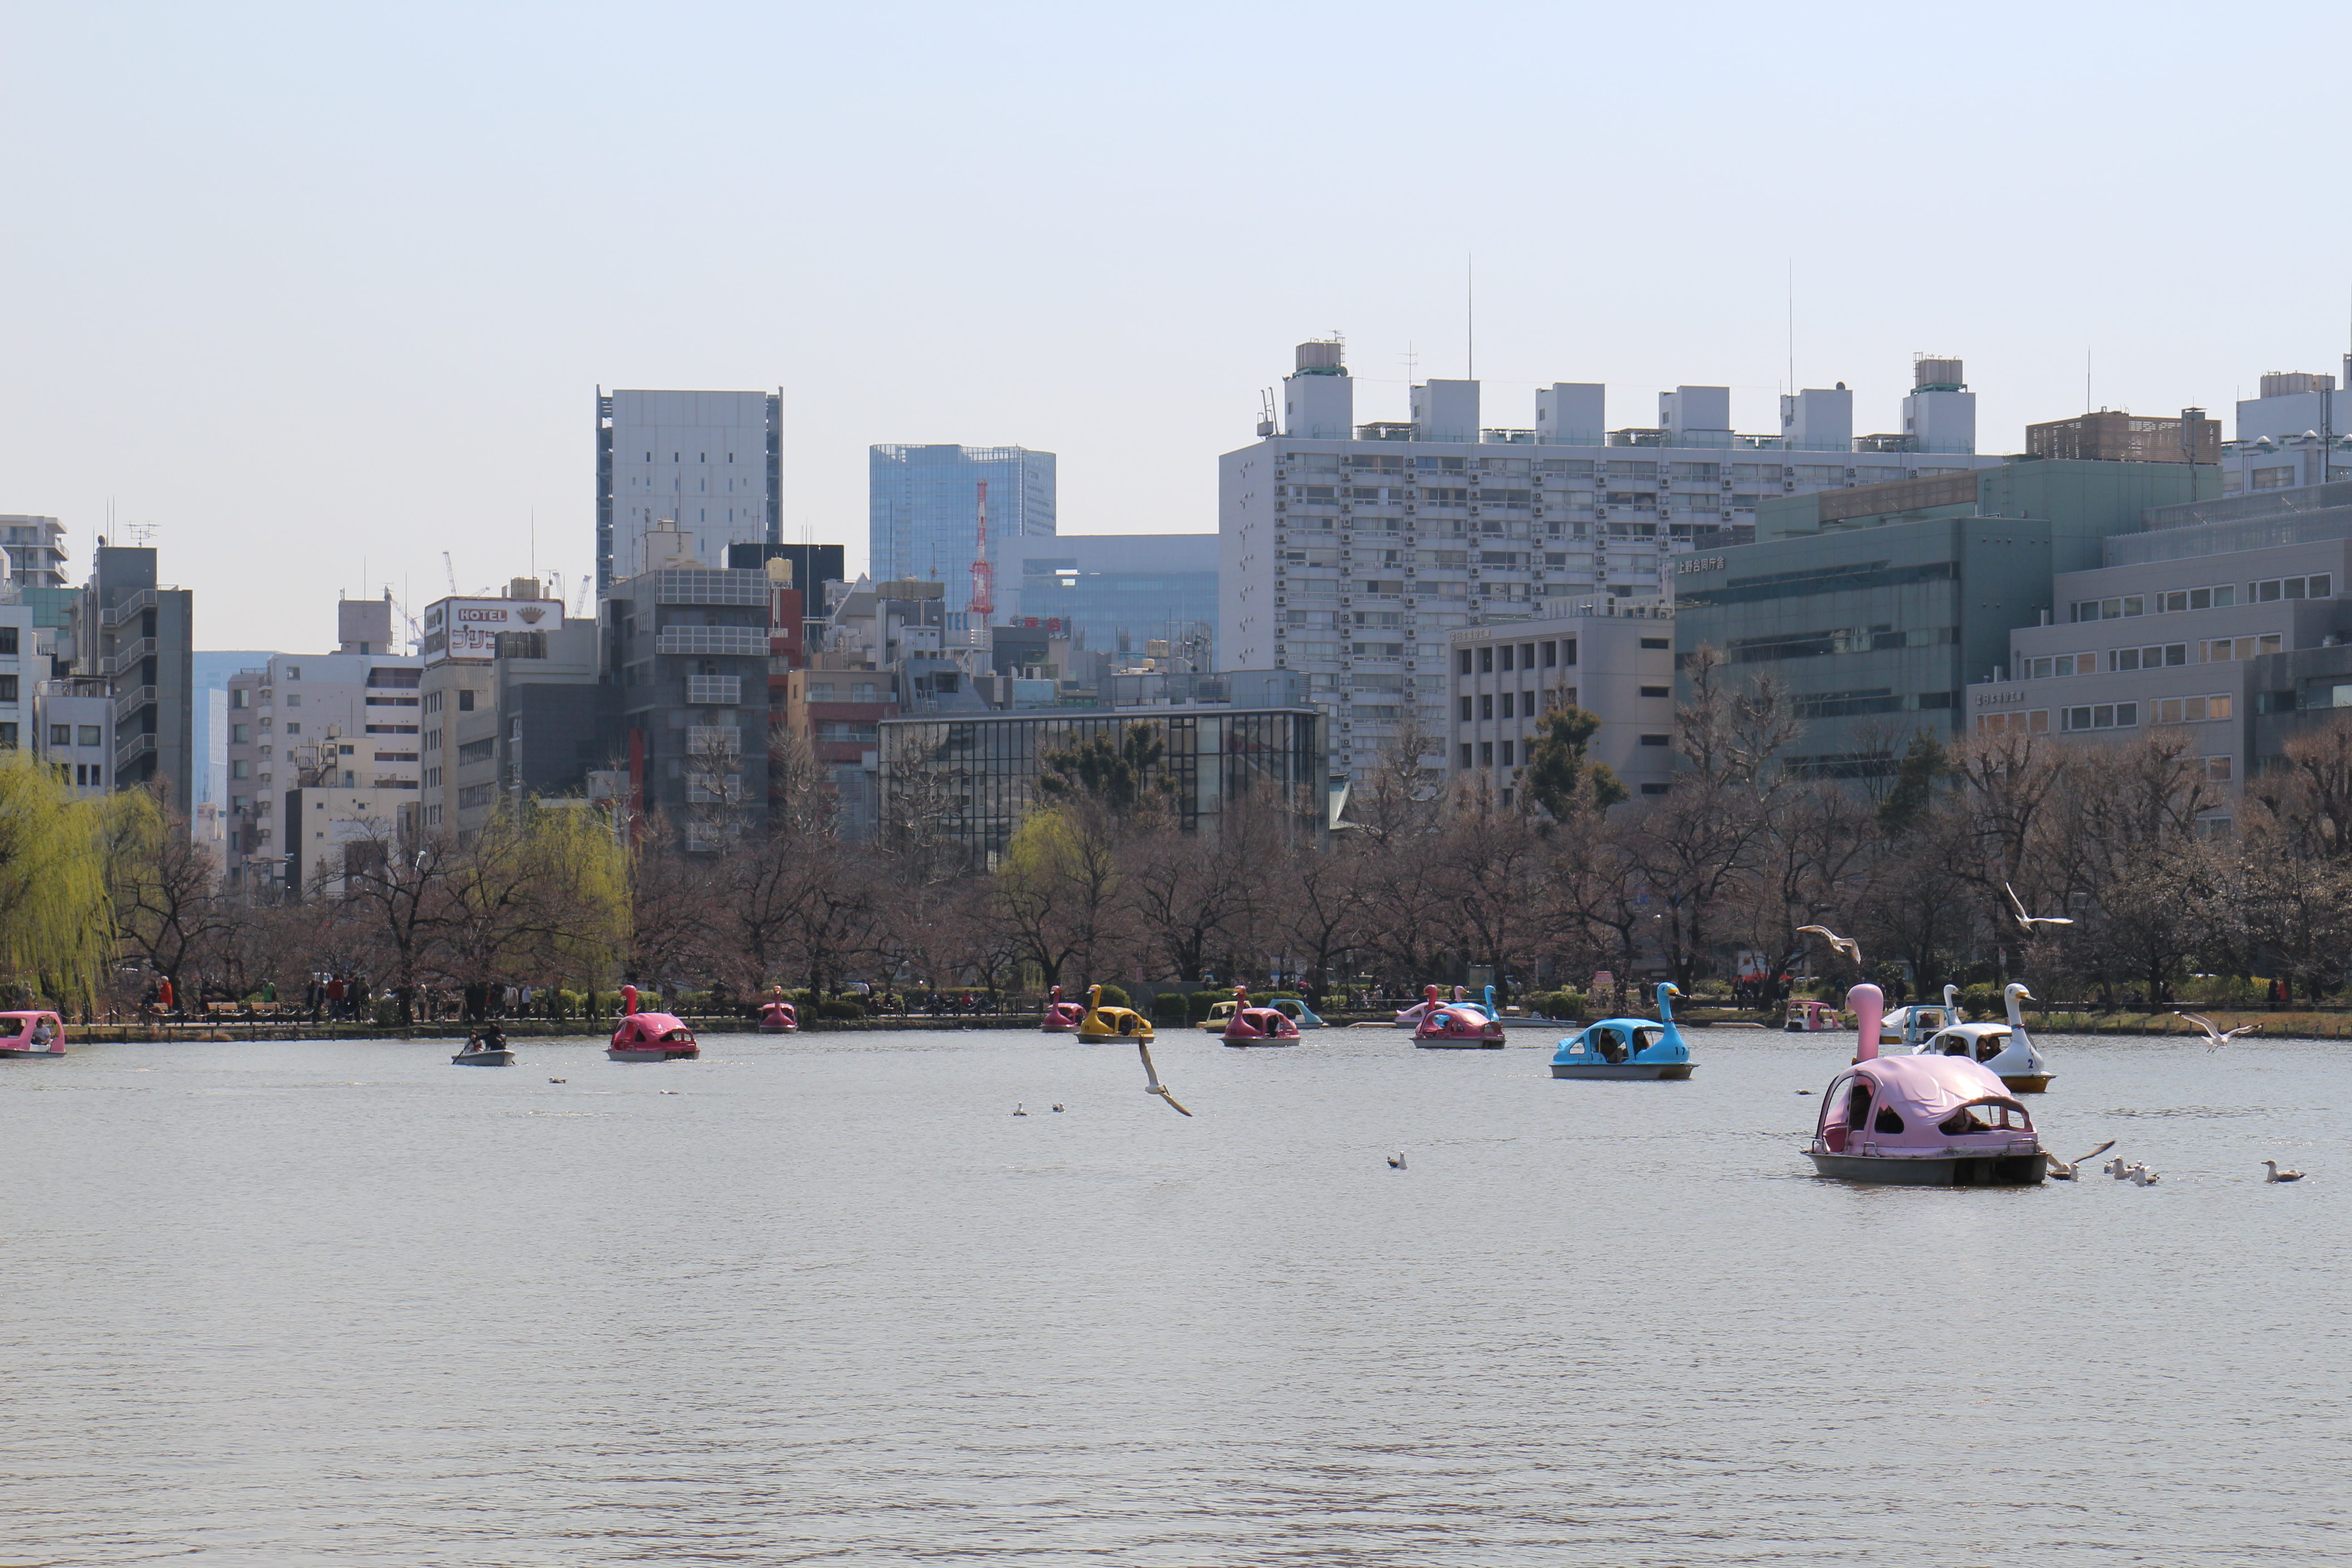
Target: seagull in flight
[[1845, 945], [2215, 1038], [2066, 1171], [1143, 1049], [2027, 922], [2278, 1175]]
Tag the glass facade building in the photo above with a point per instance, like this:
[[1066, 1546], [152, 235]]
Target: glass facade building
[[924, 509], [1118, 591], [979, 774]]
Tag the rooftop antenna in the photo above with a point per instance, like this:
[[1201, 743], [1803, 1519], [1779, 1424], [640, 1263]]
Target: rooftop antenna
[[1793, 326], [1470, 305]]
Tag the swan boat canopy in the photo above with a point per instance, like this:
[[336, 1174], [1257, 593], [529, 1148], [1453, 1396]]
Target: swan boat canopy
[[32, 1034], [1297, 1011], [1102, 1025], [1628, 1048], [1061, 1017], [649, 1036], [1455, 1026], [1920, 1120], [1248, 1026], [2006, 1050]]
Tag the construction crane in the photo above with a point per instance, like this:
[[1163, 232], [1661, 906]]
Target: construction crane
[[983, 575], [415, 633], [450, 567], [581, 607]]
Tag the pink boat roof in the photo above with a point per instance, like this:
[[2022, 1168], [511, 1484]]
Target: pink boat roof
[[1935, 1085]]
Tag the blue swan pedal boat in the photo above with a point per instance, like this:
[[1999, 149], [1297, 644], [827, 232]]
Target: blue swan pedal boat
[[1628, 1048]]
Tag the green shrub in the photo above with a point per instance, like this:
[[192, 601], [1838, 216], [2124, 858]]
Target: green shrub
[[1983, 1001], [387, 1011], [1113, 996], [1560, 1004], [840, 1007], [1197, 1005], [1171, 1006]]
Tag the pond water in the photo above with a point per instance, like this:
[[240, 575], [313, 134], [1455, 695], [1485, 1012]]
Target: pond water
[[826, 1300]]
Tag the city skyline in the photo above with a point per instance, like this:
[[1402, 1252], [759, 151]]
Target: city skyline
[[399, 312]]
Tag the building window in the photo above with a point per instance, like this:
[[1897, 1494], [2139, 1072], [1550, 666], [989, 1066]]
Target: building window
[[1486, 753], [2110, 609], [293, 672], [1657, 691], [464, 701], [2216, 650], [8, 641], [2220, 770], [240, 769], [1657, 740], [60, 734], [1466, 661], [2274, 478], [1659, 643], [1466, 748], [2106, 716], [2154, 657], [1506, 657], [92, 735], [7, 688], [1468, 709], [2034, 722], [1506, 753], [1507, 704], [2321, 586], [7, 737], [2184, 709], [1653, 789], [1485, 706], [2220, 598]]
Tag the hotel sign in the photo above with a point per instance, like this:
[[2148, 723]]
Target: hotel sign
[[467, 629]]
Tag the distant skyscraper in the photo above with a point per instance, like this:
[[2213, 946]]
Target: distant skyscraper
[[925, 508], [710, 461]]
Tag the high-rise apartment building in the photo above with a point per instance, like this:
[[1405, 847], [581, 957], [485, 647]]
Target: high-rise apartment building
[[923, 505], [343, 726], [37, 552], [139, 639], [712, 462], [1354, 552]]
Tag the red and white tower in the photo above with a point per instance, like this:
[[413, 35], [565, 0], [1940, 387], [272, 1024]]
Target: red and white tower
[[983, 575]]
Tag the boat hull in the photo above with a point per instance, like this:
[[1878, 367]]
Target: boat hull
[[1482, 1044], [484, 1058], [1652, 1071], [1087, 1039], [779, 1028], [29, 1056], [652, 1053], [2029, 1083], [1936, 1171], [1280, 1040]]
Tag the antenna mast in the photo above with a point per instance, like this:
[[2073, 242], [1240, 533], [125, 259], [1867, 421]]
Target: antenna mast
[[983, 575]]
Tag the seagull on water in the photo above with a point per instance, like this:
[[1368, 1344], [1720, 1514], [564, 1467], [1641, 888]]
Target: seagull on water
[[1019, 1108], [1845, 945], [1396, 1161], [1143, 1049], [2027, 922], [2066, 1171], [2116, 1168], [2215, 1038], [1057, 1105], [2278, 1175], [2141, 1176], [559, 1080]]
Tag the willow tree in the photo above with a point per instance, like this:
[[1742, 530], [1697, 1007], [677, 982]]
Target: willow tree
[[57, 921]]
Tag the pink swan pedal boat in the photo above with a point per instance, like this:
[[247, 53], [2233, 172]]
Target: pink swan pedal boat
[[24, 1035], [778, 1016], [1250, 1025], [1062, 1017], [1921, 1121], [649, 1036], [1456, 1026]]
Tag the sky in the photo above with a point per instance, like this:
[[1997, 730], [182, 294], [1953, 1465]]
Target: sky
[[312, 294]]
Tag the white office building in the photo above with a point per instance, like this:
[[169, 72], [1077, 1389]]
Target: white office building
[[1353, 551], [710, 461], [21, 669], [347, 721]]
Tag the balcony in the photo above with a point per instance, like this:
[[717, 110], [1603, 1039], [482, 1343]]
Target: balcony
[[741, 642], [714, 690]]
